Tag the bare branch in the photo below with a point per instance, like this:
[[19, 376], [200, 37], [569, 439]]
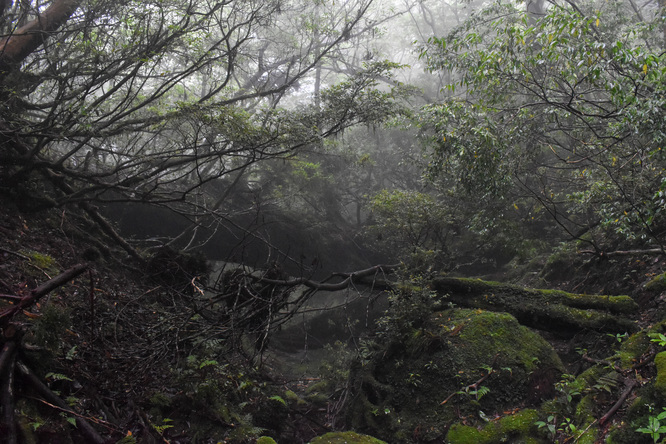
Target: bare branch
[[349, 278]]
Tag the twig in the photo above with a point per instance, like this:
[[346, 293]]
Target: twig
[[623, 252], [79, 415], [618, 404], [576, 438], [84, 426], [22, 256], [604, 362], [91, 300], [646, 360]]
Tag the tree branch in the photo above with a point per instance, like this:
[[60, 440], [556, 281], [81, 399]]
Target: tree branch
[[43, 290], [350, 278]]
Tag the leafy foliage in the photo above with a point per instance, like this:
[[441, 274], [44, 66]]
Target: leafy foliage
[[568, 109], [654, 427]]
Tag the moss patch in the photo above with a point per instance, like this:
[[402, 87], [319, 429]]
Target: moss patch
[[658, 283], [660, 381], [345, 438], [511, 428]]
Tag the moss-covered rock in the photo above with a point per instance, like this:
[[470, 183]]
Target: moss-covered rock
[[516, 428], [460, 362], [553, 310], [657, 283], [345, 438]]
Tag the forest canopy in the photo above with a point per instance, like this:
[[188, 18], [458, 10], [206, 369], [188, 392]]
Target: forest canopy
[[558, 114]]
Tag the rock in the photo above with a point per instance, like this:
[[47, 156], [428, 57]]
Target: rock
[[459, 363]]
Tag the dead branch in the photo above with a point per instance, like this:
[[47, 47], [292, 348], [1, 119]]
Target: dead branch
[[591, 360], [623, 252], [22, 256], [59, 181], [349, 278], [618, 404], [43, 290], [11, 297], [84, 426], [646, 360]]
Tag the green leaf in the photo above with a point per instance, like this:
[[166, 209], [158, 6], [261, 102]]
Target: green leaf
[[208, 363], [278, 399], [57, 377]]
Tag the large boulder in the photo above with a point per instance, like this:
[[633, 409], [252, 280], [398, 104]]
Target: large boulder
[[450, 366]]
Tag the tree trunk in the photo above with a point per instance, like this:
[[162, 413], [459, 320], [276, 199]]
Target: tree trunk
[[26, 39]]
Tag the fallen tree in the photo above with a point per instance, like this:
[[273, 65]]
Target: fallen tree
[[551, 310]]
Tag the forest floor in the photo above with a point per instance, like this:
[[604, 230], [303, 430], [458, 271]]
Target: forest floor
[[110, 340]]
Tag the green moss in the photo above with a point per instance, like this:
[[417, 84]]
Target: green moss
[[462, 434], [491, 334], [511, 428], [293, 398], [265, 440], [585, 417], [346, 438], [657, 284], [632, 349], [40, 265], [521, 421], [317, 398], [544, 309], [660, 380], [404, 387], [43, 261]]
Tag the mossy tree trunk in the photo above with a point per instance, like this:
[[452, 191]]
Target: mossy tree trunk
[[551, 310]]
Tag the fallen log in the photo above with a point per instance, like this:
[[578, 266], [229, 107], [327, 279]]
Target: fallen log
[[551, 310]]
